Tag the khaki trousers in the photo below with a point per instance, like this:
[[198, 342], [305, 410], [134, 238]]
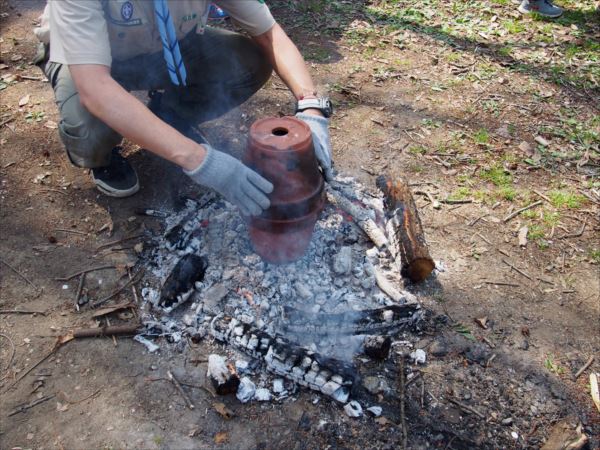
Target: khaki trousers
[[224, 69]]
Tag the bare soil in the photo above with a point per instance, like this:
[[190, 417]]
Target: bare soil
[[541, 321]]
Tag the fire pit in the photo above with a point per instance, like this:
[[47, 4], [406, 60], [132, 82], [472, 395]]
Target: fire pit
[[304, 321]]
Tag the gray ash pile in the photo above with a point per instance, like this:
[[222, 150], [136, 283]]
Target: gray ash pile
[[306, 321]]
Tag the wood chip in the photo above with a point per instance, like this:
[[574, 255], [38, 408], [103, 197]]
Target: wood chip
[[23, 101], [523, 236], [543, 142], [223, 410]]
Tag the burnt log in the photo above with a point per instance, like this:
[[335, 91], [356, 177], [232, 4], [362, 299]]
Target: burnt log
[[180, 282], [405, 233]]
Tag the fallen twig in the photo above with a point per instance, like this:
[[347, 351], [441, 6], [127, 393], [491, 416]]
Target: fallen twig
[[12, 354], [79, 290], [576, 234], [114, 330], [519, 211], [198, 386], [501, 283], [19, 311], [82, 233], [131, 281], [112, 309], [5, 121], [93, 394], [177, 385], [450, 201], [84, 271], [402, 403], [539, 194], [21, 275], [512, 266], [466, 408], [24, 408], [584, 367], [133, 289]]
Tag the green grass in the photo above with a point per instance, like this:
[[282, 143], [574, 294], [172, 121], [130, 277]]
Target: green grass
[[496, 175], [552, 365], [535, 232], [417, 150], [482, 136], [507, 193], [513, 26], [595, 255], [462, 193], [568, 199]]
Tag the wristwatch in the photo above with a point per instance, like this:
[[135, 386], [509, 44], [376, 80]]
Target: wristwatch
[[323, 104]]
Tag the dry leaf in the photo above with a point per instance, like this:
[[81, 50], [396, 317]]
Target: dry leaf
[[24, 100], [221, 437], [482, 322], [15, 58], [62, 407], [525, 331], [3, 66], [382, 421], [223, 410], [51, 124]]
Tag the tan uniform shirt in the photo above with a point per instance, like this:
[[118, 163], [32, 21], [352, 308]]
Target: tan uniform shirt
[[98, 31]]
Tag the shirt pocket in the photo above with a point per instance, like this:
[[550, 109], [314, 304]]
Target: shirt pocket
[[130, 29]]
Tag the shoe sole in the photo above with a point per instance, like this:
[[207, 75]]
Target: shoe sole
[[106, 190], [550, 16]]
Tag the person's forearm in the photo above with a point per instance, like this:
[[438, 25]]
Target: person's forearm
[[287, 61], [121, 111]]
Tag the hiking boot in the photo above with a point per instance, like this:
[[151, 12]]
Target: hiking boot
[[169, 116], [118, 179], [542, 7]]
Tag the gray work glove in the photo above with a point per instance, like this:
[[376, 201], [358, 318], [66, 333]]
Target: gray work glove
[[237, 183], [319, 126]]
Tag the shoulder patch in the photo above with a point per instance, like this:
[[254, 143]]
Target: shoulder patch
[[127, 11]]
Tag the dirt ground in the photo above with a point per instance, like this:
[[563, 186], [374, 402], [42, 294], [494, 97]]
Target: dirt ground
[[483, 130]]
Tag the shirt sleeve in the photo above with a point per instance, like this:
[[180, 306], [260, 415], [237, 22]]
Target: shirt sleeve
[[79, 28], [253, 16]]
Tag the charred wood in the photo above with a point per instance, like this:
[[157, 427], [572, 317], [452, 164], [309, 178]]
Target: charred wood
[[180, 282], [405, 230], [330, 376], [389, 319]]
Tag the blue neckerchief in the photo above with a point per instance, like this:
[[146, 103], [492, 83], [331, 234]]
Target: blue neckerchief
[[168, 36]]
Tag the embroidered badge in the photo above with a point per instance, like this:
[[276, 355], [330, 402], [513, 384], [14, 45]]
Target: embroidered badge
[[127, 10]]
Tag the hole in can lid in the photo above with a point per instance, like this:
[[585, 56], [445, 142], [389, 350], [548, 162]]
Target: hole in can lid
[[280, 131]]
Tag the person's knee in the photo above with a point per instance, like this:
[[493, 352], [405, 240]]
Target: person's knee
[[88, 141]]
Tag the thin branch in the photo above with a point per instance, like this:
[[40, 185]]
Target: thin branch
[[84, 271], [20, 274], [584, 368], [519, 211], [19, 311], [512, 266], [12, 354], [133, 280]]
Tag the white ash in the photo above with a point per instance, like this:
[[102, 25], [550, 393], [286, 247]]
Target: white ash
[[375, 410], [246, 390], [217, 369], [353, 409], [338, 273], [150, 346], [419, 356]]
